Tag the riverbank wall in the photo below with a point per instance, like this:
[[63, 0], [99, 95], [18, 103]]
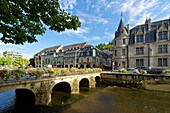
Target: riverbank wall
[[154, 82]]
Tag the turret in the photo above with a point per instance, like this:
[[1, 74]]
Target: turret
[[122, 30]]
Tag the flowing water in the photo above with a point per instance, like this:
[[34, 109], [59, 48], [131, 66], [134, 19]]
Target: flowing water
[[101, 100]]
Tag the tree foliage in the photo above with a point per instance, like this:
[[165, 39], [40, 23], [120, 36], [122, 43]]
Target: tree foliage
[[21, 62], [104, 46], [6, 60], [22, 20], [9, 61]]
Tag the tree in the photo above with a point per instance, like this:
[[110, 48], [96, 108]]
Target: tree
[[104, 46], [6, 61], [21, 62], [22, 20]]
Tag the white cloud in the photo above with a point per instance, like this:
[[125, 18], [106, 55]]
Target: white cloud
[[79, 31], [109, 35], [67, 4], [136, 10], [95, 38], [92, 18], [100, 4], [27, 56]]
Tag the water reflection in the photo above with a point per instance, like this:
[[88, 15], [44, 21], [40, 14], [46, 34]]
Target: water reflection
[[100, 100], [7, 101]]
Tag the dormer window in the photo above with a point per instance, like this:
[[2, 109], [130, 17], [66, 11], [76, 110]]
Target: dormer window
[[139, 38], [162, 35]]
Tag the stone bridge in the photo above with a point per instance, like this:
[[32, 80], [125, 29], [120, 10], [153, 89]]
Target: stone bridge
[[41, 89]]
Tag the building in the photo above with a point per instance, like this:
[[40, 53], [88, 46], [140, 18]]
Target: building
[[81, 55], [13, 54], [143, 45], [32, 63]]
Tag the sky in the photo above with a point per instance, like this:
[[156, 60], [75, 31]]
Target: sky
[[99, 21]]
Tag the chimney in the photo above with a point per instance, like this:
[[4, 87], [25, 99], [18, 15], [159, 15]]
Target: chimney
[[149, 20]]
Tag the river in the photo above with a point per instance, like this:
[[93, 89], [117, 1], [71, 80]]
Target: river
[[109, 99]]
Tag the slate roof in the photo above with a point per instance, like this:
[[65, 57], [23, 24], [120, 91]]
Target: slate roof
[[122, 27], [150, 36]]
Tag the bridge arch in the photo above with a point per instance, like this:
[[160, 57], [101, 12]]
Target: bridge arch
[[98, 81], [25, 97], [63, 87], [84, 84]]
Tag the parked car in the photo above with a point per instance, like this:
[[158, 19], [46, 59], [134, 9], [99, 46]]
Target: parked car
[[156, 70], [143, 68], [133, 70]]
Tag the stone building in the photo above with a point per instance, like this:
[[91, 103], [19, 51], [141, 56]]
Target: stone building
[[81, 55], [143, 45], [13, 54]]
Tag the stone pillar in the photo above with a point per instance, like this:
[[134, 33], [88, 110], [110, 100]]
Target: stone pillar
[[75, 86], [43, 98], [92, 82], [43, 93]]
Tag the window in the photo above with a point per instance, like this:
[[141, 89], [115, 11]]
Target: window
[[139, 50], [97, 60], [87, 59], [115, 52], [162, 35], [163, 49], [162, 62], [88, 53], [81, 59], [139, 38], [123, 64], [139, 62], [123, 41], [123, 52], [115, 43]]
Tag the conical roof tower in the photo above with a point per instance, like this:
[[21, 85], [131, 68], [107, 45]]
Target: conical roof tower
[[122, 30]]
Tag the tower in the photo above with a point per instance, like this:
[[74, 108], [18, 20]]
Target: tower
[[121, 45]]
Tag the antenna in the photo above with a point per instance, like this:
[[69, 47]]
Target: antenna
[[121, 14]]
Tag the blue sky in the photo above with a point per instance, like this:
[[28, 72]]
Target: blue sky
[[99, 18]]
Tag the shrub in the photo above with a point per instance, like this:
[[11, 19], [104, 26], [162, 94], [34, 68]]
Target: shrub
[[143, 71], [166, 71], [97, 69], [74, 70], [50, 71], [65, 71], [123, 70], [56, 71], [18, 73], [37, 72], [2, 75]]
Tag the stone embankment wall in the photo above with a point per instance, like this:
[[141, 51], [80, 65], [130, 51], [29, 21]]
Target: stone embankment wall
[[154, 82]]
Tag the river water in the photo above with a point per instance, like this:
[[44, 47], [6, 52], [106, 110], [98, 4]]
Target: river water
[[109, 99]]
